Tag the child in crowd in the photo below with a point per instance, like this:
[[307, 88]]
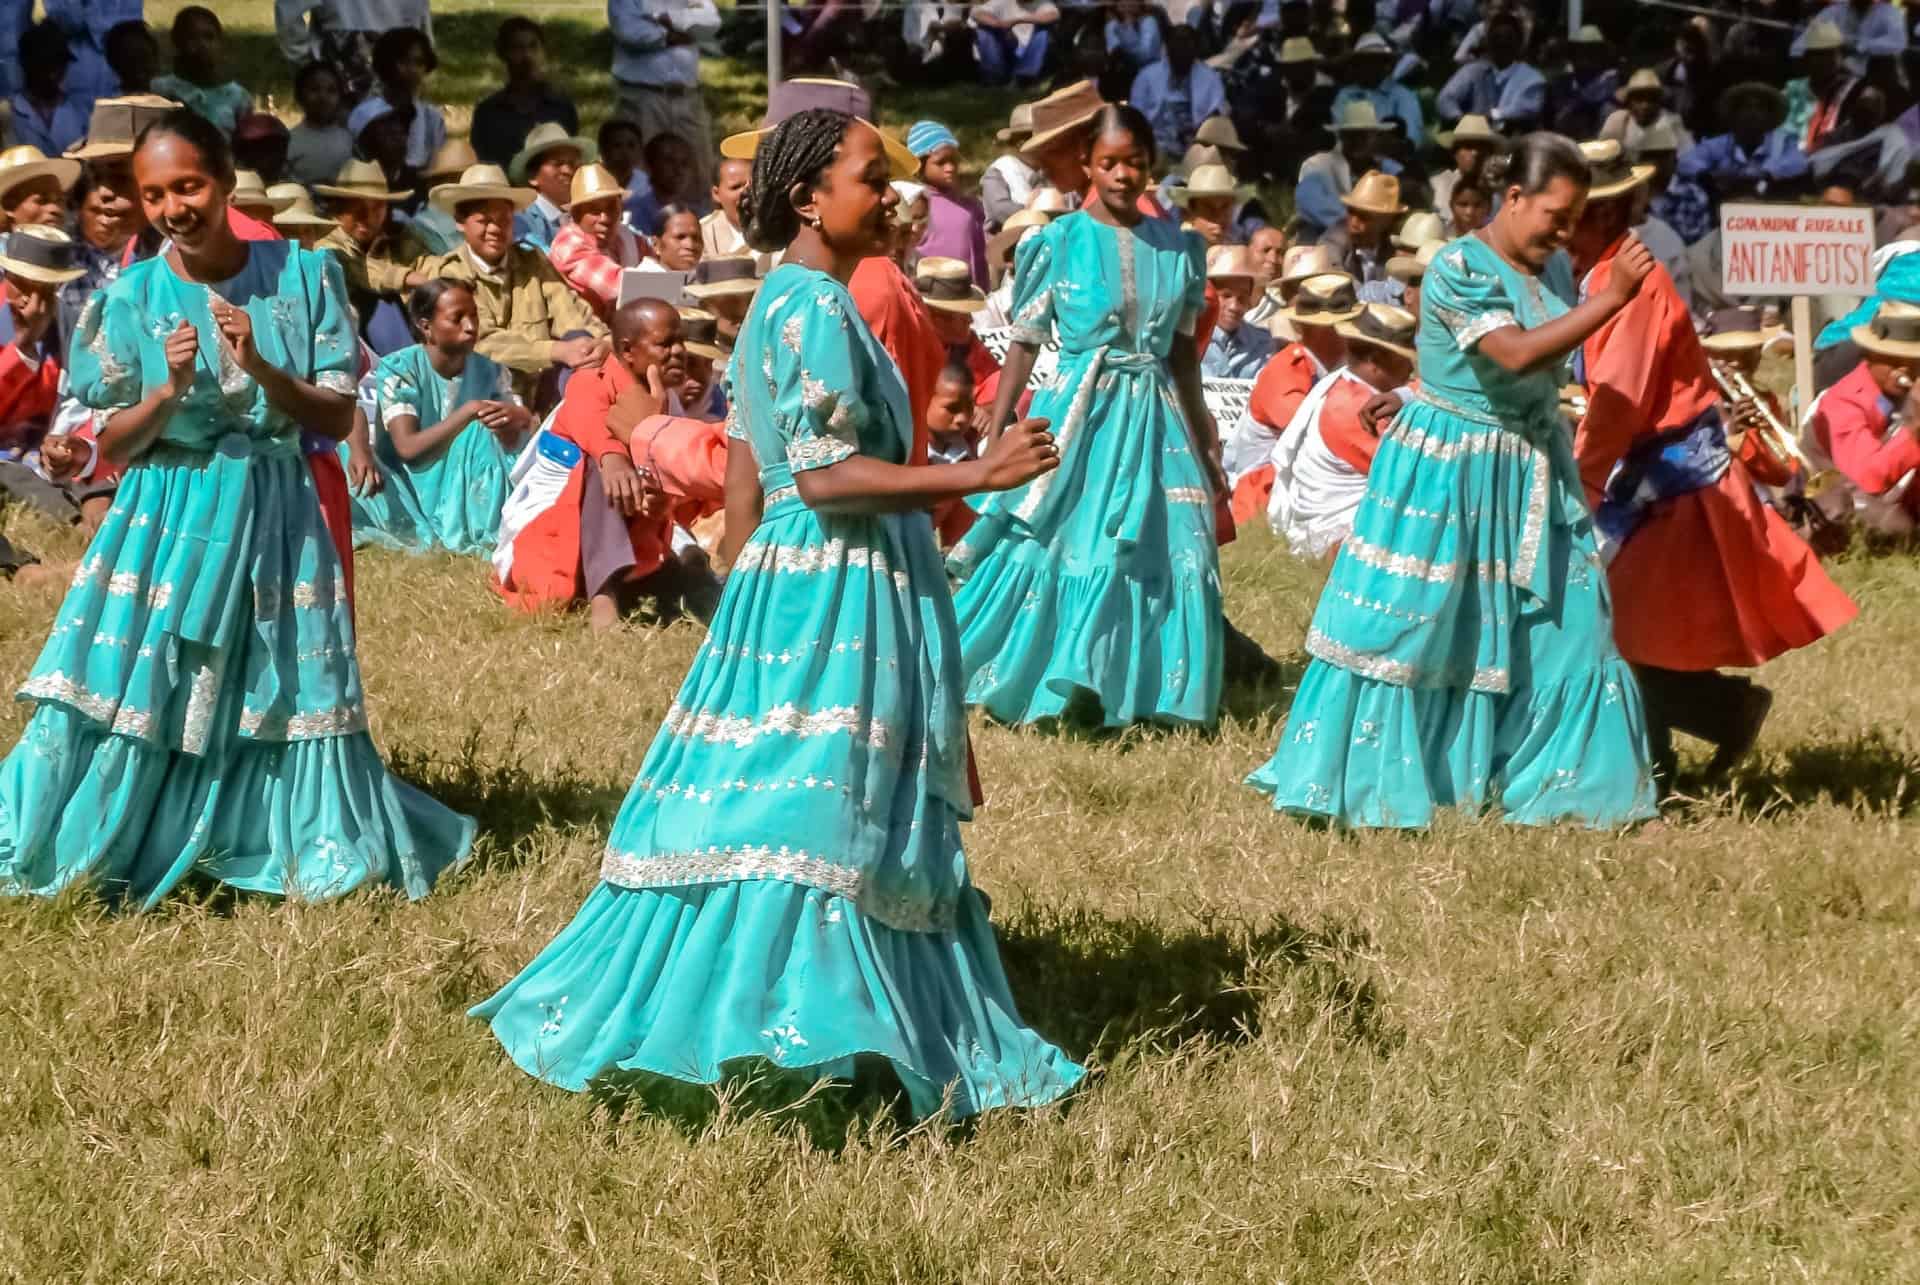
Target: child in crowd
[[672, 174], [503, 119], [547, 164], [320, 144], [43, 115], [622, 148], [1468, 208], [953, 438], [133, 56], [909, 223], [402, 60], [956, 227], [198, 80], [720, 232], [678, 244]]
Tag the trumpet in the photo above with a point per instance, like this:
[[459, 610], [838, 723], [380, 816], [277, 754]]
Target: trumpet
[[1775, 436]]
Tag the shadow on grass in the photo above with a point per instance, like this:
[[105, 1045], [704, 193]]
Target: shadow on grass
[[1869, 771]]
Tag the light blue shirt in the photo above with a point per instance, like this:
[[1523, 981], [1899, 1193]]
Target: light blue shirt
[[1778, 157], [538, 224], [68, 126], [87, 23], [1176, 110], [641, 54], [1516, 95], [1237, 354], [1880, 31], [15, 16], [1391, 101], [1138, 40]]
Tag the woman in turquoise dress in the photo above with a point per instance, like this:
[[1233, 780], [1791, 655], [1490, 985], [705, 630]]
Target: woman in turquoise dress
[[1100, 583], [199, 707], [446, 426], [785, 884], [1462, 650]]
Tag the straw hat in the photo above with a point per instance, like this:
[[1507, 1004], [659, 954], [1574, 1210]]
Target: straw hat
[[1358, 117], [116, 122], [1894, 332], [477, 183], [1210, 180], [1731, 330], [1612, 175], [360, 181], [1824, 35], [805, 93], [1218, 131], [298, 211], [546, 138], [1201, 154], [1644, 81], [24, 163], [1372, 45], [1019, 124], [700, 332], [250, 195], [1226, 262], [1062, 112], [450, 160], [1409, 268], [1014, 230], [1325, 300], [1049, 201], [722, 275], [1375, 193], [42, 254], [947, 284], [1588, 35], [1303, 261], [1383, 326], [1296, 50], [1421, 227], [1471, 128], [595, 183]]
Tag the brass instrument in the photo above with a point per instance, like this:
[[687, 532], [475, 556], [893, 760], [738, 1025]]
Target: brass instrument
[[1775, 436]]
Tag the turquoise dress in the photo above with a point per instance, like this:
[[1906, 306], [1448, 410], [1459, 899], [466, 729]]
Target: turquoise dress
[[450, 499], [198, 701], [785, 882], [1103, 576], [1463, 648]]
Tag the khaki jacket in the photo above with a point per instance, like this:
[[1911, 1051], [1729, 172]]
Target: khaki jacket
[[524, 308]]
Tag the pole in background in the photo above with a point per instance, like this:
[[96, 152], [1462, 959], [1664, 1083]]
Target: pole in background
[[1576, 10], [773, 43]]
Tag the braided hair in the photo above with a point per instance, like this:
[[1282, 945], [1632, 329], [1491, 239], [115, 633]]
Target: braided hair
[[795, 154]]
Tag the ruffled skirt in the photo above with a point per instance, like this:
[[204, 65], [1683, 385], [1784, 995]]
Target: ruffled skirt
[[1463, 650], [1102, 577], [451, 502]]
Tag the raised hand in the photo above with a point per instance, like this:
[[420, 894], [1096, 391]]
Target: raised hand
[[636, 405], [1023, 452], [182, 350], [1631, 267], [236, 334]]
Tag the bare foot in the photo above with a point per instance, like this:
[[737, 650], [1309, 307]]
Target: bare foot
[[603, 612], [93, 511], [38, 573]]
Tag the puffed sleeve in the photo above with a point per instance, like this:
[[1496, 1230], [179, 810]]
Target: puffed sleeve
[[333, 348], [818, 408], [399, 393], [1033, 290], [1195, 296], [103, 364], [1468, 301]]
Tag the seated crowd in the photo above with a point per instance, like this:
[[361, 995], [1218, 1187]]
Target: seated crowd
[[547, 312]]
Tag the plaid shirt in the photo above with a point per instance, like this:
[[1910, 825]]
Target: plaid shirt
[[1686, 208], [591, 271]]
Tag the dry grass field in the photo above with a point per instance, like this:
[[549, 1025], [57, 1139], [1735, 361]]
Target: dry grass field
[[1474, 1055]]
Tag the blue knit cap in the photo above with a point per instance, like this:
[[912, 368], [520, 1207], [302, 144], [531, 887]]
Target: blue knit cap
[[926, 137]]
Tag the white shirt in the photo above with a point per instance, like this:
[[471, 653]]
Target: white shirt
[[1251, 443], [1315, 492]]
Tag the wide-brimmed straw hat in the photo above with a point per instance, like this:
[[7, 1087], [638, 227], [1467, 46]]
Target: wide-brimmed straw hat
[[451, 157], [1383, 326], [1893, 332], [1409, 268], [1471, 128], [115, 123], [360, 181], [1375, 193], [1738, 330], [1209, 180], [1227, 262], [1372, 45], [40, 253], [700, 332], [807, 93], [1296, 50], [595, 183], [1420, 227], [1325, 300], [947, 284], [1754, 91], [546, 138], [477, 183], [298, 212], [1303, 261], [1062, 112], [722, 275], [25, 163], [1824, 36], [1050, 201], [1588, 35], [250, 195], [1612, 174], [1011, 232], [1358, 117], [1019, 124], [1218, 131], [1644, 81], [1201, 154]]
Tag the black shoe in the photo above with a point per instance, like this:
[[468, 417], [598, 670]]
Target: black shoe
[[1755, 702]]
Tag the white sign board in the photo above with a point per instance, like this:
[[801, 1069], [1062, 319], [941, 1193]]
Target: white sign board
[[650, 282], [1796, 249]]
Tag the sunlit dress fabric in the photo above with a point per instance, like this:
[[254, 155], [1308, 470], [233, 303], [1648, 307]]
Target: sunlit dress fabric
[[1100, 579], [1462, 650], [785, 882], [452, 498], [199, 706]]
